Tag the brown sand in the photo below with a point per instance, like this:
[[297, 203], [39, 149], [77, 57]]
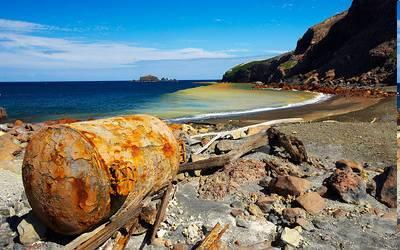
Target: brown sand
[[337, 105]]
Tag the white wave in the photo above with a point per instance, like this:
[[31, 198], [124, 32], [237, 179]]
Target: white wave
[[319, 98]]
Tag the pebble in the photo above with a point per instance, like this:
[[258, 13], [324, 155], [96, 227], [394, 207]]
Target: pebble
[[238, 204], [305, 224], [255, 210], [291, 237], [161, 233], [241, 223]]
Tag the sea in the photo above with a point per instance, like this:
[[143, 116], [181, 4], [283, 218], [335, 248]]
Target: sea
[[176, 101]]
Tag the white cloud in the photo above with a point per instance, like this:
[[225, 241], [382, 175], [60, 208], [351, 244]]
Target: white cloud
[[21, 26], [275, 51], [21, 50], [23, 45]]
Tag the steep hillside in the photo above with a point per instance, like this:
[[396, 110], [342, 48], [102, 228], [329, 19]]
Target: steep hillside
[[356, 48]]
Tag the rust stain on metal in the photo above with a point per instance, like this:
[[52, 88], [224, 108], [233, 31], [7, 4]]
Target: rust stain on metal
[[74, 174]]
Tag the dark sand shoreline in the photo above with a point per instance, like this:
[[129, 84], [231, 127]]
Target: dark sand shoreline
[[329, 109]]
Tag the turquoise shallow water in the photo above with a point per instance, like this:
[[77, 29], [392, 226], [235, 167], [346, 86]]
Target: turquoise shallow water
[[170, 100]]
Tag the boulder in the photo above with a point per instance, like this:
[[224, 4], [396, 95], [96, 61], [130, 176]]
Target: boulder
[[3, 113], [347, 185], [355, 166], [31, 230], [287, 146], [289, 185], [312, 202], [386, 186]]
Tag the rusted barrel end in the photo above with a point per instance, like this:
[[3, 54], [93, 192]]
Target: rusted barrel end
[[75, 174], [64, 182]]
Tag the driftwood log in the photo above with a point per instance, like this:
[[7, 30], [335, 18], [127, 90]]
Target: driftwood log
[[253, 142]]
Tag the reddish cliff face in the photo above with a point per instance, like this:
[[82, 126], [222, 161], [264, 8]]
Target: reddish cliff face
[[356, 47]]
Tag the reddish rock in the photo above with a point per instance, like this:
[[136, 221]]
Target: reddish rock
[[305, 224], [149, 214], [3, 113], [237, 212], [322, 190], [386, 186], [312, 202], [289, 185], [291, 214], [347, 185], [355, 166], [265, 202], [18, 123], [180, 246], [339, 213]]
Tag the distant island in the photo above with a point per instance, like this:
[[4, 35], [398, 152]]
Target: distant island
[[151, 78]]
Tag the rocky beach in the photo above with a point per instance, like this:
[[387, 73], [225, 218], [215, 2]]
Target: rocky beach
[[337, 196]]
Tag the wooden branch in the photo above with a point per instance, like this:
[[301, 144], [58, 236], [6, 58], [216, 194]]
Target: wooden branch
[[212, 240], [244, 129], [122, 240], [254, 142], [208, 144], [161, 213], [96, 238]]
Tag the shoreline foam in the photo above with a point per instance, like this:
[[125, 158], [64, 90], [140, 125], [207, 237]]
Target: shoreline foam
[[318, 99]]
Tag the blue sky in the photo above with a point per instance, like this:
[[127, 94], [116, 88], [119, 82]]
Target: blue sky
[[118, 40]]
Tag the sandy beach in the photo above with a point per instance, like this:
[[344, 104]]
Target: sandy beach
[[333, 107]]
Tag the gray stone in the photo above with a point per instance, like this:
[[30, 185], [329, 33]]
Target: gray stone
[[238, 204], [31, 230], [241, 223]]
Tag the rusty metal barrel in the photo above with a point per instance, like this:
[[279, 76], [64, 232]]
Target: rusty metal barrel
[[77, 175]]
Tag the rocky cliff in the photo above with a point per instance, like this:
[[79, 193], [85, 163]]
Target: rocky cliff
[[355, 48]]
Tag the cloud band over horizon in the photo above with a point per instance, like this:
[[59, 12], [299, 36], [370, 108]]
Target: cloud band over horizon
[[24, 46]]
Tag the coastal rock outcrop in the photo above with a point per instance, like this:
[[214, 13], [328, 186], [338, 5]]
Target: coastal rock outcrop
[[3, 113], [353, 48]]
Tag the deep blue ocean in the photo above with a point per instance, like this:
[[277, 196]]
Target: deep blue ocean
[[178, 101], [39, 101]]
